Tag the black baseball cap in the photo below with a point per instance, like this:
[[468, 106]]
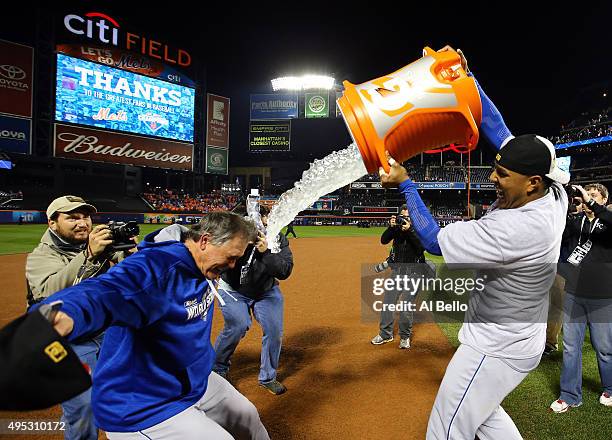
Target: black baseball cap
[[531, 155], [39, 368]]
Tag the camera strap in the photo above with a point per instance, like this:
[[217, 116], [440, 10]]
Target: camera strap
[[591, 229], [244, 270]]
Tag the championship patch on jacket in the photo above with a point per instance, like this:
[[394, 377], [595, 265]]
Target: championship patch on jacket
[[196, 308]]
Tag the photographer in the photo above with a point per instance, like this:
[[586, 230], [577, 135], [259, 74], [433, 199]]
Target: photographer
[[251, 290], [69, 252], [587, 295], [405, 252]]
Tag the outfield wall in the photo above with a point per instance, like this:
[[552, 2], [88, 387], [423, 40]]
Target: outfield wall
[[39, 217]]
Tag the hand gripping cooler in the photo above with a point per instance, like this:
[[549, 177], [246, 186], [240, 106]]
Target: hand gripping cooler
[[427, 104]]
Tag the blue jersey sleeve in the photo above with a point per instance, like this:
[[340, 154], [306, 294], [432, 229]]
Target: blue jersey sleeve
[[492, 126], [130, 294], [425, 226]]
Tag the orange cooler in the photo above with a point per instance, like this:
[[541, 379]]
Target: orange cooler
[[428, 104]]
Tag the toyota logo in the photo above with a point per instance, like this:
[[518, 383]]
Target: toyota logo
[[12, 72]]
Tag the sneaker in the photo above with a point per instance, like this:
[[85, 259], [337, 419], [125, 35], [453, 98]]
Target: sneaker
[[605, 399], [275, 387], [550, 348], [561, 406], [404, 343], [379, 340]]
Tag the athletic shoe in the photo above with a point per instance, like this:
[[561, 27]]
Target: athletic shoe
[[275, 387], [605, 399], [379, 340], [550, 348], [561, 406], [404, 343]]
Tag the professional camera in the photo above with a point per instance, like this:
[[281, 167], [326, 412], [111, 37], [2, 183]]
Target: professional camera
[[122, 232], [402, 220], [575, 199]]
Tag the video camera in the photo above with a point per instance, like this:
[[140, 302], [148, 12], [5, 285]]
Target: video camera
[[122, 233]]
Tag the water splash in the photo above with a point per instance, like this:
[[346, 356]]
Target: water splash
[[323, 177]]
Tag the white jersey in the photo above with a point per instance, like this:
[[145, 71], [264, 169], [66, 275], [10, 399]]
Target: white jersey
[[519, 249]]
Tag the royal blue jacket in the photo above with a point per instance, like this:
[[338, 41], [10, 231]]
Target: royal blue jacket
[[156, 356]]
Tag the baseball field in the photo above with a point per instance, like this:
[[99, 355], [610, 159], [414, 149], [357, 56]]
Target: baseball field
[[339, 385]]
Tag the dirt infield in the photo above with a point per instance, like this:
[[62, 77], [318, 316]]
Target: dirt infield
[[340, 386]]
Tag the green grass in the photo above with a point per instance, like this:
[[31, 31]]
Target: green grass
[[334, 231], [527, 404], [17, 239]]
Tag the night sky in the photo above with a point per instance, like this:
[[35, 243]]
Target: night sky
[[540, 64]]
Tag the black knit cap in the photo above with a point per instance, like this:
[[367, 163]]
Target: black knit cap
[[531, 155], [39, 369]]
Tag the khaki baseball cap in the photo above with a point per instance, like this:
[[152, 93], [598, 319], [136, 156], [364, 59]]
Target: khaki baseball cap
[[67, 204]]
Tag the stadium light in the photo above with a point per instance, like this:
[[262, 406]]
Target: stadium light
[[303, 82]]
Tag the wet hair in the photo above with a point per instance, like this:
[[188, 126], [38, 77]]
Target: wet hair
[[222, 226]]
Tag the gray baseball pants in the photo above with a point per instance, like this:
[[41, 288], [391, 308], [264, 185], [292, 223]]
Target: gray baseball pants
[[222, 413]]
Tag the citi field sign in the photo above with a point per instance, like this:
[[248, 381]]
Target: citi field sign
[[101, 28]]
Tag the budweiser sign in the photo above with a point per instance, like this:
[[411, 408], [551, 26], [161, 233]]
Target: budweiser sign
[[103, 146]]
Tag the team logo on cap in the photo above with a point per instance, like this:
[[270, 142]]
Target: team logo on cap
[[56, 351], [74, 199]]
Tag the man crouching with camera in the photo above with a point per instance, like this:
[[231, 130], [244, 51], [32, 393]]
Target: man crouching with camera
[[405, 253], [68, 252]]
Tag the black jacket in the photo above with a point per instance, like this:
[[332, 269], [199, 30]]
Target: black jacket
[[593, 278], [406, 245], [264, 270]]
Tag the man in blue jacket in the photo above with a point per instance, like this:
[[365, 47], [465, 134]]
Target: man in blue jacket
[[153, 378], [252, 287]]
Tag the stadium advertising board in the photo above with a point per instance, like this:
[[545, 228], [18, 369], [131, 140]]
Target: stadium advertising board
[[15, 135], [16, 67], [366, 185], [580, 143], [100, 28], [73, 142], [216, 160], [322, 205], [483, 186], [375, 209], [316, 105], [217, 121], [270, 135], [93, 94], [28, 217], [426, 185], [274, 106], [440, 185], [122, 59]]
